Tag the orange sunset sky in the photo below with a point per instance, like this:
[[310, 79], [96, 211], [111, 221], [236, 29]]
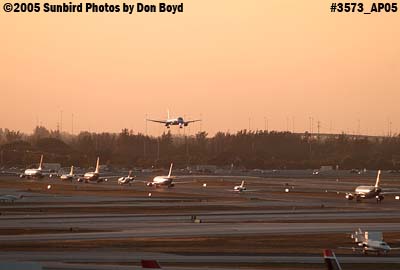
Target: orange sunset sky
[[226, 61]]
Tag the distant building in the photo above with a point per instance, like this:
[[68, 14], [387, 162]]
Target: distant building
[[326, 168], [54, 167], [206, 168]]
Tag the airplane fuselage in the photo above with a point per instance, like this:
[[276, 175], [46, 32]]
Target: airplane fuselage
[[91, 177], [9, 198], [161, 181], [375, 246], [239, 188], [175, 122], [67, 177], [36, 173], [367, 192], [125, 180]]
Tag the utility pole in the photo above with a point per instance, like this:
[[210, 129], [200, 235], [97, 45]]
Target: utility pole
[[287, 124], [144, 141], [201, 123], [187, 151], [158, 148], [292, 124], [72, 124], [61, 120], [265, 123]]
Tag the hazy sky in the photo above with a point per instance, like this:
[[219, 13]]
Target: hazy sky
[[226, 61]]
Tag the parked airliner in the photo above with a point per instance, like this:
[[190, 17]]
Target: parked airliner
[[10, 198], [126, 179], [162, 180], [34, 173], [371, 242], [240, 188], [93, 177], [68, 177]]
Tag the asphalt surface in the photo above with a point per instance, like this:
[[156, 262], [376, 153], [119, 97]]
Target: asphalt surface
[[312, 206]]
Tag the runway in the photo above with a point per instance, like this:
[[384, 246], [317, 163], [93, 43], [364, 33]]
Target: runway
[[95, 226]]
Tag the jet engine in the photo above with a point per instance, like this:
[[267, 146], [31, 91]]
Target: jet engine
[[349, 196]]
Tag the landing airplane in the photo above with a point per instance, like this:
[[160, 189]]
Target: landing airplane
[[331, 261], [126, 179], [68, 177], [93, 177], [239, 188], [10, 198], [368, 192], [174, 121], [34, 173], [162, 180]]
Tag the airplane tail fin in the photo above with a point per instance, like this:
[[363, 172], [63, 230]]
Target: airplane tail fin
[[41, 162], [72, 170], [150, 264], [168, 117], [331, 261], [170, 170], [242, 185], [130, 173], [378, 178], [97, 165]]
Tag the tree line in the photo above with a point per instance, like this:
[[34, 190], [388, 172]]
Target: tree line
[[243, 149]]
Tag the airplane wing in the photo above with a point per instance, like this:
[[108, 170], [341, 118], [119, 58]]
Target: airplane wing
[[192, 121], [109, 177], [157, 121], [391, 192], [331, 261], [185, 182], [151, 264], [352, 248]]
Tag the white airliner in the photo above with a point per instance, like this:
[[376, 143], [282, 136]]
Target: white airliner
[[239, 188], [93, 177], [10, 198], [174, 121], [34, 173], [371, 242], [126, 179], [368, 192], [162, 180], [331, 261], [68, 177]]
